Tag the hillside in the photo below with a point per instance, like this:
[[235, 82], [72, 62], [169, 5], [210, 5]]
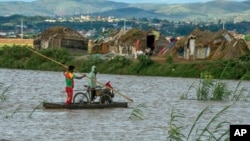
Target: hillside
[[192, 11], [130, 12]]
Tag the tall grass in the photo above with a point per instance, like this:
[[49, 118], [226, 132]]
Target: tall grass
[[12, 114], [210, 131], [137, 112], [238, 93], [204, 88], [211, 89], [185, 95], [175, 127], [37, 107], [3, 93], [4, 98]]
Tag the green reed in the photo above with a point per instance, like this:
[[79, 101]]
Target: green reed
[[137, 112], [204, 90], [37, 107], [12, 114], [220, 91], [174, 131], [211, 89], [185, 95], [4, 98], [4, 90], [212, 131], [238, 93]]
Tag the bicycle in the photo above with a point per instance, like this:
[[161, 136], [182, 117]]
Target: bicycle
[[105, 95]]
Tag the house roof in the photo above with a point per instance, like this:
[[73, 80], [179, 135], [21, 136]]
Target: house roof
[[60, 32], [223, 45]]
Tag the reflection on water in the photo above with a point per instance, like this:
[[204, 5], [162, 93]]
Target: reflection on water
[[160, 94]]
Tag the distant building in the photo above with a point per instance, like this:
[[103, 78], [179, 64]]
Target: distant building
[[59, 36]]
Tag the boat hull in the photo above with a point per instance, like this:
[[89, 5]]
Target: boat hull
[[62, 105]]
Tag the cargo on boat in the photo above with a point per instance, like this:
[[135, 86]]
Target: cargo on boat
[[96, 105]]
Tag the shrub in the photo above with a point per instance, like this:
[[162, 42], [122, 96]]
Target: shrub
[[204, 89], [245, 57], [169, 59], [145, 60], [220, 91]]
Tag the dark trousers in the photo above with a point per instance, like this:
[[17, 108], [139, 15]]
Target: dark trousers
[[93, 94]]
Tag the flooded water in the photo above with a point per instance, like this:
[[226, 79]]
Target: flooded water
[[160, 95]]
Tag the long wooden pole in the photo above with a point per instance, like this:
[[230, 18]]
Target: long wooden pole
[[65, 66], [47, 58]]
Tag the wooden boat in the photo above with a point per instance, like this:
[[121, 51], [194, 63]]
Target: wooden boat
[[96, 105]]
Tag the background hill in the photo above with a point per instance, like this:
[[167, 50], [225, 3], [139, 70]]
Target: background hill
[[191, 11]]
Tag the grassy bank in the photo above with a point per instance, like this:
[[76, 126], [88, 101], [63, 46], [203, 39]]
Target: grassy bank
[[17, 57]]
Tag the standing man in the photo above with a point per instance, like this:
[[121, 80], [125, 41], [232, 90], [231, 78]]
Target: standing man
[[92, 82], [69, 77]]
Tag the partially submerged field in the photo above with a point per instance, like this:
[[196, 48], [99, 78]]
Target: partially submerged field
[[11, 42]]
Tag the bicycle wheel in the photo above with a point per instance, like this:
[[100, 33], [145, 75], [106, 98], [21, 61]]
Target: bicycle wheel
[[105, 99], [80, 98]]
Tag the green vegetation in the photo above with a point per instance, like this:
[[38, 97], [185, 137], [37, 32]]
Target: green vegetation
[[211, 90], [10, 115], [17, 57], [175, 127], [215, 89], [209, 130], [212, 131], [3, 96], [37, 107], [137, 112], [247, 37]]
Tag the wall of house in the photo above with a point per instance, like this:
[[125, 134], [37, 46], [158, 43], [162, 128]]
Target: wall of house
[[44, 44], [202, 52], [69, 43], [55, 43]]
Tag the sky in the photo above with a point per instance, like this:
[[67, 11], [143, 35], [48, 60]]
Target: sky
[[144, 1]]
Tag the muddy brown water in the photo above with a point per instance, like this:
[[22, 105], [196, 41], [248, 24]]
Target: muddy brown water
[[159, 94]]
